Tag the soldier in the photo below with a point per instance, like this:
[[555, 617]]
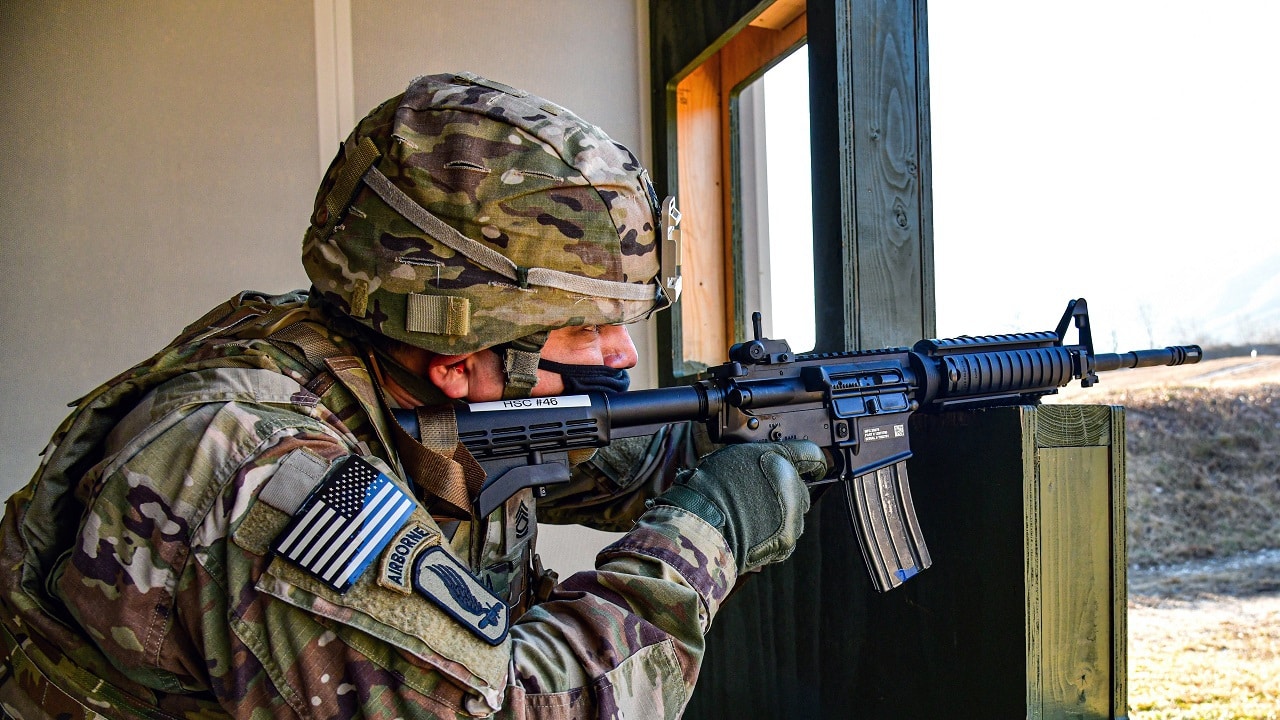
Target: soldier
[[238, 526]]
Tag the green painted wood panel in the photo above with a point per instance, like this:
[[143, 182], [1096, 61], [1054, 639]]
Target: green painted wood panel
[[1017, 617], [873, 213]]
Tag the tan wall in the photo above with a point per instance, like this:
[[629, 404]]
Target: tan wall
[[157, 157]]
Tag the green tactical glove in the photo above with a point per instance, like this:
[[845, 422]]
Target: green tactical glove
[[752, 494]]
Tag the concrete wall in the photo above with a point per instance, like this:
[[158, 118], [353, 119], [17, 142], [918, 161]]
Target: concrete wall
[[157, 157]]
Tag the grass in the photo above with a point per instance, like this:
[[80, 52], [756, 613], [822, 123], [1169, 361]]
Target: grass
[[1204, 472], [1210, 658]]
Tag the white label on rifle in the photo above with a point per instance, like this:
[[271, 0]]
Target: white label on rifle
[[873, 434], [538, 403]]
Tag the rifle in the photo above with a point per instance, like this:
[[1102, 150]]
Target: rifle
[[855, 405]]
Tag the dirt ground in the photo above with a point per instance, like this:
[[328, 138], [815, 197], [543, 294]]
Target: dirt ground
[[1204, 639]]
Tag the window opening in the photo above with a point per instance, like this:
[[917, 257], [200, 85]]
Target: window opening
[[775, 204]]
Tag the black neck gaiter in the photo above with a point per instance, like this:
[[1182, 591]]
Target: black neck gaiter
[[588, 378]]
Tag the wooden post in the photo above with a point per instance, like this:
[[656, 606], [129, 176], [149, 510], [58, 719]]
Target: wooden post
[[1076, 604], [1021, 615], [872, 200]]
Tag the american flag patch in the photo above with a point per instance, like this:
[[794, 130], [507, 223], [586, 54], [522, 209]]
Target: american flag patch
[[345, 523]]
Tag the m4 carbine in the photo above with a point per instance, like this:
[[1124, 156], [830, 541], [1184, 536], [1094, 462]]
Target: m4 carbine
[[855, 405]]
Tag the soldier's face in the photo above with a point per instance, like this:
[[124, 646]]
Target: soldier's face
[[608, 345], [478, 377]]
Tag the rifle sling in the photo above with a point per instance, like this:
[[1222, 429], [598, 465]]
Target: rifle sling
[[446, 474]]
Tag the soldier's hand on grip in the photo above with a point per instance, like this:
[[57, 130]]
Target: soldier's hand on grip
[[754, 495]]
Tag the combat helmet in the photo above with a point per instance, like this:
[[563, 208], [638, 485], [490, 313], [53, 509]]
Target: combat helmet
[[464, 214]]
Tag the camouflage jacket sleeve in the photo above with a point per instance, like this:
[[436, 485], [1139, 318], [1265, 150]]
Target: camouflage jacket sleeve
[[174, 577], [609, 490]]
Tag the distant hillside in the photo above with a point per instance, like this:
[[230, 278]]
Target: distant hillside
[[1203, 456], [1204, 471]]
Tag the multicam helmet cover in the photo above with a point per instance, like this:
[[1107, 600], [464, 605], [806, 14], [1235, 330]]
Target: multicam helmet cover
[[466, 214]]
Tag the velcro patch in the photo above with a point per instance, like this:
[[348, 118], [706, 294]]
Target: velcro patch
[[397, 562], [295, 477], [443, 580], [345, 523], [520, 522]]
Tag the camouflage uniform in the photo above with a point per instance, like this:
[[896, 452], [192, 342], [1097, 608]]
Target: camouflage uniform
[[139, 580], [149, 567]]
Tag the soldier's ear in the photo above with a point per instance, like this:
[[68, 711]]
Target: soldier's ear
[[451, 373]]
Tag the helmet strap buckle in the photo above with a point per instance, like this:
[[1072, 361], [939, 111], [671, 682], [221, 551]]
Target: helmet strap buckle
[[669, 250], [520, 365]]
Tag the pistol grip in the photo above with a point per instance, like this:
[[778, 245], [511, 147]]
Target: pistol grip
[[884, 520]]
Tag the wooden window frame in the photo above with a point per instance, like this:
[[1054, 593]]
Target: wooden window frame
[[707, 175]]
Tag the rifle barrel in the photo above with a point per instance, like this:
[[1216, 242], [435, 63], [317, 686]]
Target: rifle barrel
[[1173, 355]]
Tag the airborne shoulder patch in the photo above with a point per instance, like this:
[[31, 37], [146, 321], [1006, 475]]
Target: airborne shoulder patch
[[396, 571], [443, 580]]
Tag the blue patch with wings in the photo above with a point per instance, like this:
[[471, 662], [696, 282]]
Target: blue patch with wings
[[443, 580]]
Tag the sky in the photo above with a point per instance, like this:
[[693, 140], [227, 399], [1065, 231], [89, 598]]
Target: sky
[[1125, 152]]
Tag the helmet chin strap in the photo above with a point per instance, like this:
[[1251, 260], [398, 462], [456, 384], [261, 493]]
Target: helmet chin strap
[[520, 365]]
